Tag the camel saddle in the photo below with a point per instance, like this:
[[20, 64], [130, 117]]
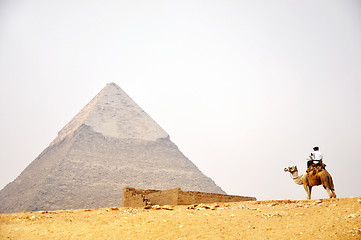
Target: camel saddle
[[316, 168]]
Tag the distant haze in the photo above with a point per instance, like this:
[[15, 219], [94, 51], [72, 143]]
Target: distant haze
[[243, 88]]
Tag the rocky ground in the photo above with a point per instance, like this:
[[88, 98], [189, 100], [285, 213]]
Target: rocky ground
[[285, 219]]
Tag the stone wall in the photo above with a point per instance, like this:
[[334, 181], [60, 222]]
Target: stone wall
[[136, 197], [187, 198], [140, 198], [166, 197]]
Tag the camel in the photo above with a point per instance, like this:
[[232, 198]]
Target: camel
[[313, 177]]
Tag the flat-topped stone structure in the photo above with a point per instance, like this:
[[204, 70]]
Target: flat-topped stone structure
[[141, 198]]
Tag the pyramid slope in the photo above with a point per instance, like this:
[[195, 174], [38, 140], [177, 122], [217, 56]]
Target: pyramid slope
[[95, 156], [21, 194]]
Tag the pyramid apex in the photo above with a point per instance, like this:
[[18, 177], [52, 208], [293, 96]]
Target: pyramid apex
[[114, 114], [112, 84]]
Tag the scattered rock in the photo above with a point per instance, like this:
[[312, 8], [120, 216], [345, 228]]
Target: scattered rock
[[203, 206], [269, 215], [319, 201], [167, 207], [354, 215], [156, 207], [355, 231], [192, 207], [214, 207], [153, 207]]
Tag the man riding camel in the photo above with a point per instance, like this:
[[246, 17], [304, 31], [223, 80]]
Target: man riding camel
[[315, 156]]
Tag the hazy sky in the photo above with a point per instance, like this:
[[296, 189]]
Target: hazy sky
[[244, 88]]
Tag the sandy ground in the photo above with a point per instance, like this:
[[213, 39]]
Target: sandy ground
[[286, 219]]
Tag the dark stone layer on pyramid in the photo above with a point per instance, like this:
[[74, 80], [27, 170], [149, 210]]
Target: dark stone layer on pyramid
[[112, 143]]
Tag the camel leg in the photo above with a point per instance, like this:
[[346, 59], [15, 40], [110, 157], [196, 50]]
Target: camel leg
[[308, 191], [333, 193], [330, 193]]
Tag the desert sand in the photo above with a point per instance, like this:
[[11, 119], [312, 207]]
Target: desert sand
[[276, 219]]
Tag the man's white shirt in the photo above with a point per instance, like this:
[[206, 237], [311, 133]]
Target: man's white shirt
[[317, 155]]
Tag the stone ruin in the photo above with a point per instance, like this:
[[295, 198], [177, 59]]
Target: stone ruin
[[142, 198]]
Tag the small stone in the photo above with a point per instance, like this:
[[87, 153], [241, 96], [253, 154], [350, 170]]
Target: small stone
[[319, 201], [192, 206], [167, 207], [214, 207], [203, 206]]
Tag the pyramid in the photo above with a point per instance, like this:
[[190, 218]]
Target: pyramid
[[110, 144]]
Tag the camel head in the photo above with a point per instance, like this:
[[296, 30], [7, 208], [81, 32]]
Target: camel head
[[291, 169]]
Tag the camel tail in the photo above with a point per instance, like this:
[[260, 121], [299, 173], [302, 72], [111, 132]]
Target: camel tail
[[331, 183]]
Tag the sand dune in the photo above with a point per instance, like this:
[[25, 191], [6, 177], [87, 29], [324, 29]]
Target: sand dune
[[285, 219]]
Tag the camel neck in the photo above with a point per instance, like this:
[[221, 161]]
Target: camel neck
[[296, 178]]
